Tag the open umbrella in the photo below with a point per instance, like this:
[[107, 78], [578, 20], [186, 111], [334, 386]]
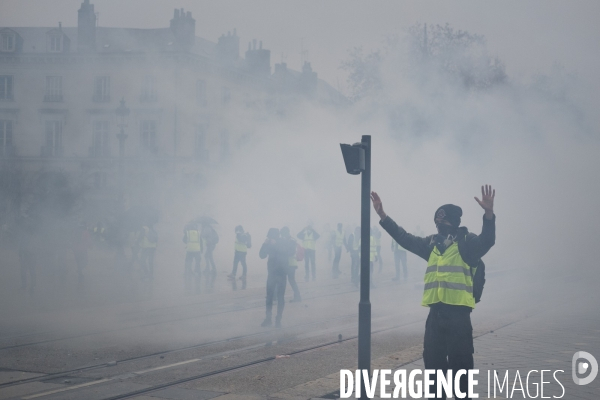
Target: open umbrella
[[204, 220]]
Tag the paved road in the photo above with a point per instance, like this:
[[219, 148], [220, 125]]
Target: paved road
[[212, 345]]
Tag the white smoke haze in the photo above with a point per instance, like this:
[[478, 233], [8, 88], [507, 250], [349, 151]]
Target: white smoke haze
[[535, 139], [536, 147]]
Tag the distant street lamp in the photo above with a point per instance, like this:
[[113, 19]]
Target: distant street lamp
[[122, 114], [357, 158]]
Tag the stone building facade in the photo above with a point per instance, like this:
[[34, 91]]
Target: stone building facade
[[191, 102]]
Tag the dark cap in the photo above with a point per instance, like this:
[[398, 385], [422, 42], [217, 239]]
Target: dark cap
[[450, 213], [273, 233]]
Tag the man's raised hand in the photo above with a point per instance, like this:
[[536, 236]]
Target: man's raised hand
[[487, 200], [377, 205]]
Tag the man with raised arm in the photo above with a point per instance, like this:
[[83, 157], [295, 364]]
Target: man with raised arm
[[452, 255]]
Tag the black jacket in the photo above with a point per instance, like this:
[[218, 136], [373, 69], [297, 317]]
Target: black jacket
[[471, 246], [279, 254]]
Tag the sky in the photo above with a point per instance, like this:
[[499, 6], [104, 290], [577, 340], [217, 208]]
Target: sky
[[529, 37]]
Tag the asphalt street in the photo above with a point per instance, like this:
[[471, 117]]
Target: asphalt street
[[211, 345]]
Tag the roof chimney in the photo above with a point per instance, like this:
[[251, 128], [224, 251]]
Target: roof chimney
[[86, 27], [183, 27]]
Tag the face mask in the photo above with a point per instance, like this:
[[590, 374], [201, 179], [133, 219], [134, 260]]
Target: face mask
[[445, 230]]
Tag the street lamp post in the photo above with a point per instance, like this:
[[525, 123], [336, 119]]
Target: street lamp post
[[122, 114], [357, 158]]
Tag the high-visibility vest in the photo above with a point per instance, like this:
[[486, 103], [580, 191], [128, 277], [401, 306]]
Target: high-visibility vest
[[193, 241], [377, 241], [339, 238], [356, 244], [240, 246], [396, 247], [145, 243], [309, 241], [448, 279], [293, 262], [99, 232], [372, 248]]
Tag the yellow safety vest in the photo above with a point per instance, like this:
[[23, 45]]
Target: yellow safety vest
[[448, 279], [293, 262], [193, 241], [309, 241], [339, 238], [239, 246], [396, 247], [372, 248], [99, 232], [356, 244], [145, 243]]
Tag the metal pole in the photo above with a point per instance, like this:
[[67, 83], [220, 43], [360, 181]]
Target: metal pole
[[364, 307], [121, 136]]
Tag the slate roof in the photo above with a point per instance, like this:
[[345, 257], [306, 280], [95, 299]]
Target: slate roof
[[113, 40]]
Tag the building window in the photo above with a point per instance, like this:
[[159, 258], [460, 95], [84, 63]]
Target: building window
[[6, 135], [102, 89], [53, 88], [200, 150], [148, 89], [100, 145], [148, 136], [6, 87], [53, 144], [7, 41], [224, 144], [225, 95], [201, 96], [55, 43]]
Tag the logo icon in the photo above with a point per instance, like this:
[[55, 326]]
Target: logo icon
[[580, 367]]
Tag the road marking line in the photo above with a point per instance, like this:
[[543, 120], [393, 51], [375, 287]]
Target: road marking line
[[108, 379], [166, 366], [67, 388]]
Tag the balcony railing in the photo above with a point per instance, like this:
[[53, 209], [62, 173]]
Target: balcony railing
[[99, 151], [8, 151], [148, 98], [101, 98], [53, 98], [52, 151]]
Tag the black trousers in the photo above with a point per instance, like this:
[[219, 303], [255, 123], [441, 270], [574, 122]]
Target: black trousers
[[239, 257], [147, 261], [208, 257], [355, 266], [449, 341], [195, 258], [309, 258], [27, 259], [291, 275], [276, 283], [400, 256], [335, 270]]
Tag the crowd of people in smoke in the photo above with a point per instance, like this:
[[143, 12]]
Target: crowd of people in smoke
[[130, 242]]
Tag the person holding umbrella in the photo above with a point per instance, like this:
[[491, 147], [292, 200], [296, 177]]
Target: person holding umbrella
[[210, 238]]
